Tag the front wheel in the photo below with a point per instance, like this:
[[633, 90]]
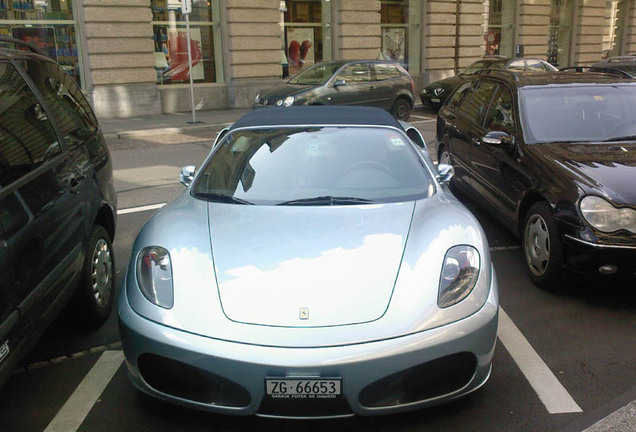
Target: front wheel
[[94, 297], [401, 109], [542, 247]]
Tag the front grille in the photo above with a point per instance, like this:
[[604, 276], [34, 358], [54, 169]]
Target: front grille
[[428, 380], [188, 382]]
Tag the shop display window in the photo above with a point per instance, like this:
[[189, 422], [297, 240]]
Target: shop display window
[[48, 25], [171, 46], [395, 32], [303, 35]]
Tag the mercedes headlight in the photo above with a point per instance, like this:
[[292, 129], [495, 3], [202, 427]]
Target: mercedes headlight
[[460, 272], [289, 101], [154, 276], [257, 99], [603, 216]]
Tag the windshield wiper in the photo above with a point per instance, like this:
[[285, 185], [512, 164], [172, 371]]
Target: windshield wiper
[[622, 138], [327, 200], [217, 197]]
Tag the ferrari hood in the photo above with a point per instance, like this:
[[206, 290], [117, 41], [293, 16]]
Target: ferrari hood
[[307, 266], [607, 167]]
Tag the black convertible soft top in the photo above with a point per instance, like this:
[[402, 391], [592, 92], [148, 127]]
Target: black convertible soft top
[[317, 115]]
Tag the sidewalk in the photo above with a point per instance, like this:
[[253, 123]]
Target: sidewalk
[[161, 124]]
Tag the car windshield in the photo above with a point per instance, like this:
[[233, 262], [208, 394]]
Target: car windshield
[[314, 166], [315, 75], [594, 113]]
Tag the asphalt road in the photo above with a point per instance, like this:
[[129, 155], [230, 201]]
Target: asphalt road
[[563, 361]]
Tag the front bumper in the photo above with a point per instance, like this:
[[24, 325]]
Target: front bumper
[[588, 258], [431, 100], [369, 371]]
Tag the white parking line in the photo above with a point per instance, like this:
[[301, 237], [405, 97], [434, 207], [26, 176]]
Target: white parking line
[[424, 118], [554, 396], [140, 209], [77, 407]]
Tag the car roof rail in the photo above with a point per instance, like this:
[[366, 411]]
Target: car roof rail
[[512, 73], [20, 44], [608, 70]]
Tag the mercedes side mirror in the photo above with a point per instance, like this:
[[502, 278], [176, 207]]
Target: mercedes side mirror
[[497, 138], [339, 83], [187, 175]]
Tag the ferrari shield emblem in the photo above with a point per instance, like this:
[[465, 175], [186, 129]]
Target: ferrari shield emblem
[[304, 313]]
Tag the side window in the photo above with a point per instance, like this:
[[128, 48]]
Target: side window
[[535, 65], [384, 71], [501, 115], [68, 105], [463, 92], [27, 138], [356, 73], [476, 106]]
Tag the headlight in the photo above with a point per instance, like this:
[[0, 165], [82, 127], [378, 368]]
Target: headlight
[[460, 272], [154, 276], [257, 99], [603, 216], [289, 101]]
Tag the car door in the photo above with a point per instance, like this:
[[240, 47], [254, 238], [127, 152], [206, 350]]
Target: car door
[[42, 255], [388, 84], [469, 130], [80, 133], [497, 171], [357, 86]]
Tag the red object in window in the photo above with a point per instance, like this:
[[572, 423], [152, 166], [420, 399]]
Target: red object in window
[[293, 53], [178, 51]]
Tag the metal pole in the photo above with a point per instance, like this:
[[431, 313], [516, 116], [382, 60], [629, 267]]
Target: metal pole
[[194, 115]]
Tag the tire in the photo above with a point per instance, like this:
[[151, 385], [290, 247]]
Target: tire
[[542, 247], [401, 109], [94, 297]]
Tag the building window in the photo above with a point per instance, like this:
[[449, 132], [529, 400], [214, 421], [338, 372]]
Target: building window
[[560, 35], [49, 25], [500, 36], [171, 43], [303, 34], [395, 30]]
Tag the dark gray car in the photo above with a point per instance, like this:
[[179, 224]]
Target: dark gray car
[[382, 84], [57, 204]]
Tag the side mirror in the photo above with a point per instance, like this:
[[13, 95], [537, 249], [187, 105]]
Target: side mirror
[[339, 83], [187, 175], [445, 173], [497, 138]]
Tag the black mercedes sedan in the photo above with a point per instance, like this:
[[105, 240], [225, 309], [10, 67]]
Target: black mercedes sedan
[[553, 156], [378, 83]]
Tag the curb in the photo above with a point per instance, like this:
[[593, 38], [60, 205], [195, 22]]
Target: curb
[[162, 131]]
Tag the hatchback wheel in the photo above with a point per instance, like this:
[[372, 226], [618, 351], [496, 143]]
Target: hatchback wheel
[[401, 109], [542, 247], [94, 297]]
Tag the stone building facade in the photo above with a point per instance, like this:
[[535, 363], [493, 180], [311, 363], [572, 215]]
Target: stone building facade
[[129, 55]]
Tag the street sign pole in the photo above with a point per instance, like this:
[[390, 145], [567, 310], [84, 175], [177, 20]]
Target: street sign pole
[[186, 8]]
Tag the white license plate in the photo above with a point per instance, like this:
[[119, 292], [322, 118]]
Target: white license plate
[[303, 388], [436, 100]]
